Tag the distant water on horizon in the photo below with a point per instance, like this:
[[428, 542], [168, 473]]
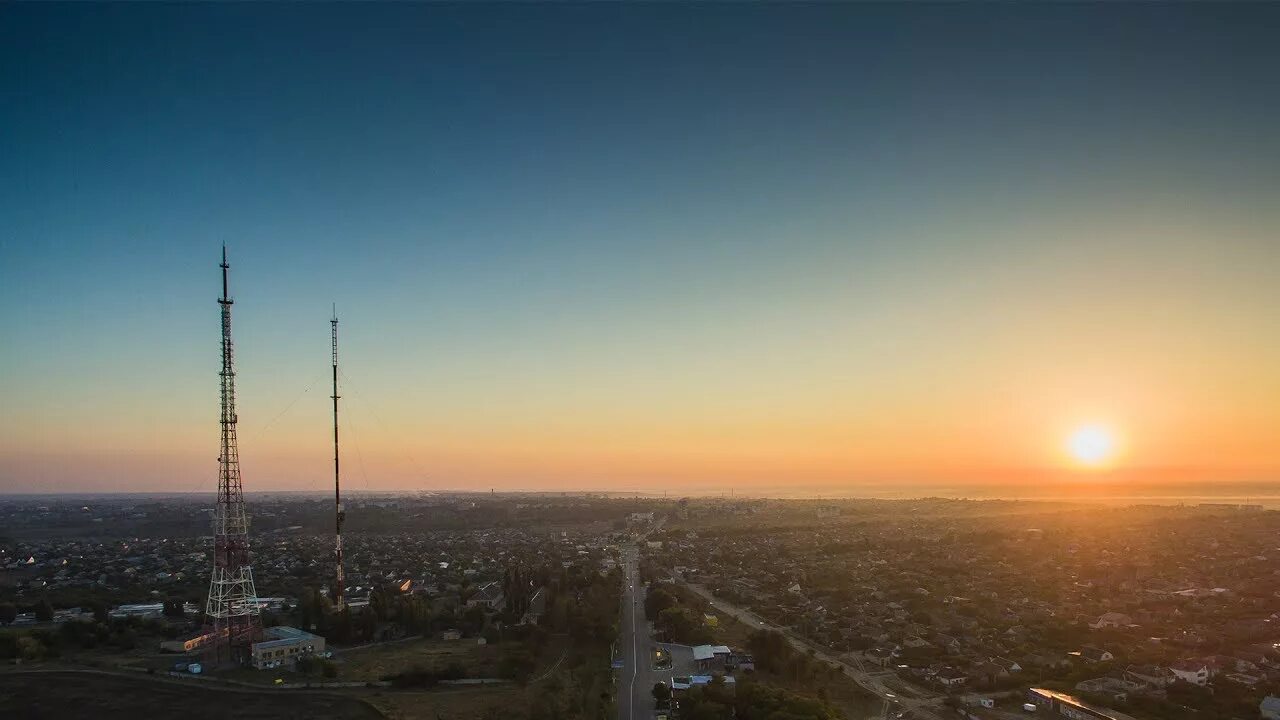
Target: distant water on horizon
[[1266, 494]]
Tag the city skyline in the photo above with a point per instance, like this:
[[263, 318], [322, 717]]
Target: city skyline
[[640, 248]]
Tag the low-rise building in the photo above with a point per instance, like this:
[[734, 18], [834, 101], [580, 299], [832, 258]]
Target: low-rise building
[[1069, 706], [489, 595], [1191, 671], [951, 677], [283, 645], [1114, 689], [1150, 675], [1095, 655]]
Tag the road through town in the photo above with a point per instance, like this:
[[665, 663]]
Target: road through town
[[635, 681]]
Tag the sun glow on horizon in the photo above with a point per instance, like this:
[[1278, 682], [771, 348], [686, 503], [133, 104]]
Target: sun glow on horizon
[[1092, 445]]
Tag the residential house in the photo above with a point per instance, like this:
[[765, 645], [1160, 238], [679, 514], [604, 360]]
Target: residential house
[[1113, 689], [951, 677], [879, 656], [489, 595], [1150, 675], [947, 642], [989, 672], [1243, 679], [1195, 672], [537, 608], [1095, 655], [1010, 666], [1111, 620]]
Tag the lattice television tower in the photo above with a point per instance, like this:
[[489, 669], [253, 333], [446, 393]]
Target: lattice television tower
[[340, 580], [232, 614]]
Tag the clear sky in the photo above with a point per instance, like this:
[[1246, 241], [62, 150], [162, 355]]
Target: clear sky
[[639, 247]]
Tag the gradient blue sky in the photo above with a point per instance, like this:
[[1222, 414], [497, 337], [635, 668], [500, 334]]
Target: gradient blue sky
[[638, 246]]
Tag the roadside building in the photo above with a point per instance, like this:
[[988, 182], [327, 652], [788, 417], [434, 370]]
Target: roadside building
[[146, 610], [283, 645], [711, 656], [1069, 706]]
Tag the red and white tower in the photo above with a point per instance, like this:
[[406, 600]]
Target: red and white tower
[[232, 614]]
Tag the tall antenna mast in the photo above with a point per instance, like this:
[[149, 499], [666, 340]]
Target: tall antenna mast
[[340, 581], [232, 611]]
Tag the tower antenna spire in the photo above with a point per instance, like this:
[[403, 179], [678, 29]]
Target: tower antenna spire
[[340, 581], [232, 610], [224, 267]]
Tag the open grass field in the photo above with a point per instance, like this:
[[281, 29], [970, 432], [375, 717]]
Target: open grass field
[[730, 631], [87, 696], [488, 703], [376, 662]]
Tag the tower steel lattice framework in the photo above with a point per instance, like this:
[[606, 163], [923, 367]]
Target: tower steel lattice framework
[[340, 580], [232, 616]]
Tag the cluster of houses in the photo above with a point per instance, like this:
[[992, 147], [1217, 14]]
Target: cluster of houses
[[974, 595], [458, 567]]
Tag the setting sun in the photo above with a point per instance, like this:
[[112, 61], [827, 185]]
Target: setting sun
[[1092, 444]]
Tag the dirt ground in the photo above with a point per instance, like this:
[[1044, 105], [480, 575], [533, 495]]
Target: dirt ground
[[85, 696]]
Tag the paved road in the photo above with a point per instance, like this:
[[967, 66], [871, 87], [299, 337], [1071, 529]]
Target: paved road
[[635, 681], [872, 682]]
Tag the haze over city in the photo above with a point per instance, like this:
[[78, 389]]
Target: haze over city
[[644, 248]]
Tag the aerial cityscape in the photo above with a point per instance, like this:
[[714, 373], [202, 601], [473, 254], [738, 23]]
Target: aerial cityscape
[[640, 361]]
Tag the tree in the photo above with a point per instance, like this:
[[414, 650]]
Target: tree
[[473, 620], [368, 625], [710, 711], [44, 611], [340, 624], [657, 601], [8, 613], [516, 664], [771, 649], [173, 608], [683, 625], [29, 648], [661, 692], [383, 601], [313, 612]]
